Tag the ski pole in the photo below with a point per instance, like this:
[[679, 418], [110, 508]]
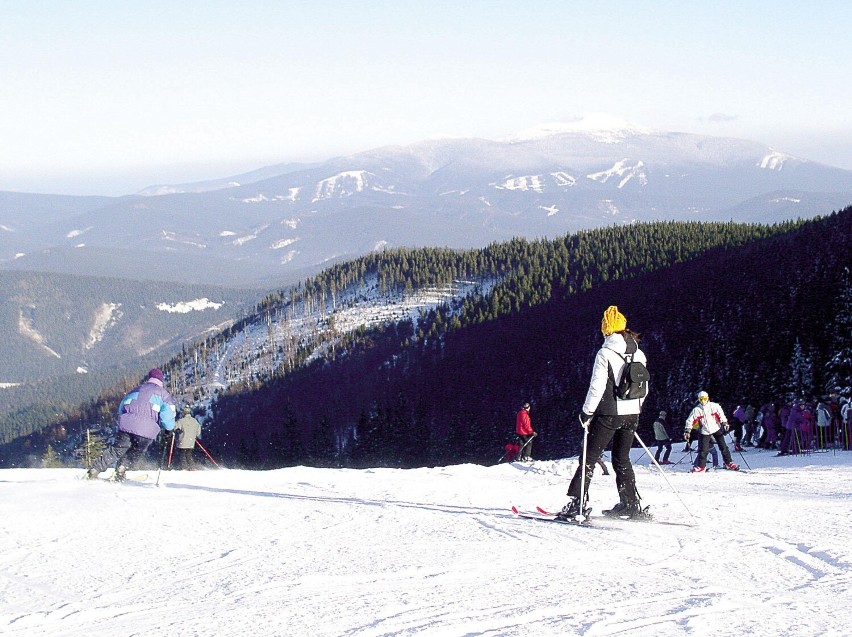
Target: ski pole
[[171, 450], [524, 446], [683, 457], [206, 454], [740, 452], [663, 473], [580, 517]]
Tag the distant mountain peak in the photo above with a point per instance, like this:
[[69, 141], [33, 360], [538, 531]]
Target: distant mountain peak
[[601, 126]]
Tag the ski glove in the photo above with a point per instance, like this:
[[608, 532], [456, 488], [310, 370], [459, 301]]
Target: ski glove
[[585, 419], [726, 426], [686, 435]]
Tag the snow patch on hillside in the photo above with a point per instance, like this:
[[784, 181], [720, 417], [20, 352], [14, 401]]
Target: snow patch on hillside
[[530, 182], [76, 233], [185, 307], [774, 160], [106, 316], [249, 237], [563, 179], [624, 171], [26, 328], [265, 346], [283, 243], [608, 206], [288, 256], [341, 185]]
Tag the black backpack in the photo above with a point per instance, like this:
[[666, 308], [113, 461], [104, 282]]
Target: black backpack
[[634, 379]]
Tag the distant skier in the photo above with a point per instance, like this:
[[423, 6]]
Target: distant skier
[[713, 425], [187, 429], [609, 418], [525, 431], [141, 413], [661, 435]]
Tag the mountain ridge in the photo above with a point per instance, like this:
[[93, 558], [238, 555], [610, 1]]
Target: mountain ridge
[[457, 193]]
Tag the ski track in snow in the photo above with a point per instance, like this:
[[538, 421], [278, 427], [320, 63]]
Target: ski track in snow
[[373, 553]]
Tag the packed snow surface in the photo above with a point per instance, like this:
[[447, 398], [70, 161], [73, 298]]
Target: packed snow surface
[[437, 551]]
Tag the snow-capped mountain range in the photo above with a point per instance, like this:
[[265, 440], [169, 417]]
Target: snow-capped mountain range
[[280, 222]]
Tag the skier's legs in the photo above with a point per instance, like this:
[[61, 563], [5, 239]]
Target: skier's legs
[[599, 437], [719, 437], [625, 479], [138, 446], [113, 453], [703, 448]]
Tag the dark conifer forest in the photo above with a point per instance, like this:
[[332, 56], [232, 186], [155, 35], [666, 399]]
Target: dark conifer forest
[[735, 321], [746, 312]]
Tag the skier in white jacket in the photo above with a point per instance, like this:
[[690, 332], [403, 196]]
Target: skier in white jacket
[[608, 417], [713, 424]]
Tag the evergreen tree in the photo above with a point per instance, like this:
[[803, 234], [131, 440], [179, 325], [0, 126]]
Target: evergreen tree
[[51, 459], [838, 370]]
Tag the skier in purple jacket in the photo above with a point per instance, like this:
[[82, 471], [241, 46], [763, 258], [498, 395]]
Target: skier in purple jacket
[[141, 414]]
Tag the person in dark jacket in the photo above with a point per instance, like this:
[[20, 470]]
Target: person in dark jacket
[[608, 418], [525, 431], [661, 435], [141, 414]]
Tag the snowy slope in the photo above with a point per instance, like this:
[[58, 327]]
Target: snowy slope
[[436, 551]]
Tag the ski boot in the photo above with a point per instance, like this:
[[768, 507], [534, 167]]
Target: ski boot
[[571, 510], [625, 511]]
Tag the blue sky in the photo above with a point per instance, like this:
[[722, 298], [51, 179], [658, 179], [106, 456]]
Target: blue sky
[[108, 96]]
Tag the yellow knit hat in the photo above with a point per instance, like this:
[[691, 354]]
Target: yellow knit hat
[[613, 321]]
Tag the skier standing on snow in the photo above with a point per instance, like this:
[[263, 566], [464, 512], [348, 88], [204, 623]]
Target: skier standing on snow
[[713, 423], [662, 438], [607, 418], [524, 429], [187, 429], [141, 413]]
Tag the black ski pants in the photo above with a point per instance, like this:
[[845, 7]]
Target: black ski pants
[[663, 444], [707, 442], [602, 430], [525, 448], [126, 450]]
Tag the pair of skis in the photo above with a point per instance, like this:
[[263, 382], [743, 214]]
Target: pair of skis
[[546, 516]]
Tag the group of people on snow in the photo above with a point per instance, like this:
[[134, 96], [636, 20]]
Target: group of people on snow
[[609, 417], [795, 426], [142, 413]]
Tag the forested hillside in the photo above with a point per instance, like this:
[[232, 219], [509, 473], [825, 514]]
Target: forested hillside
[[760, 316], [743, 311]]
